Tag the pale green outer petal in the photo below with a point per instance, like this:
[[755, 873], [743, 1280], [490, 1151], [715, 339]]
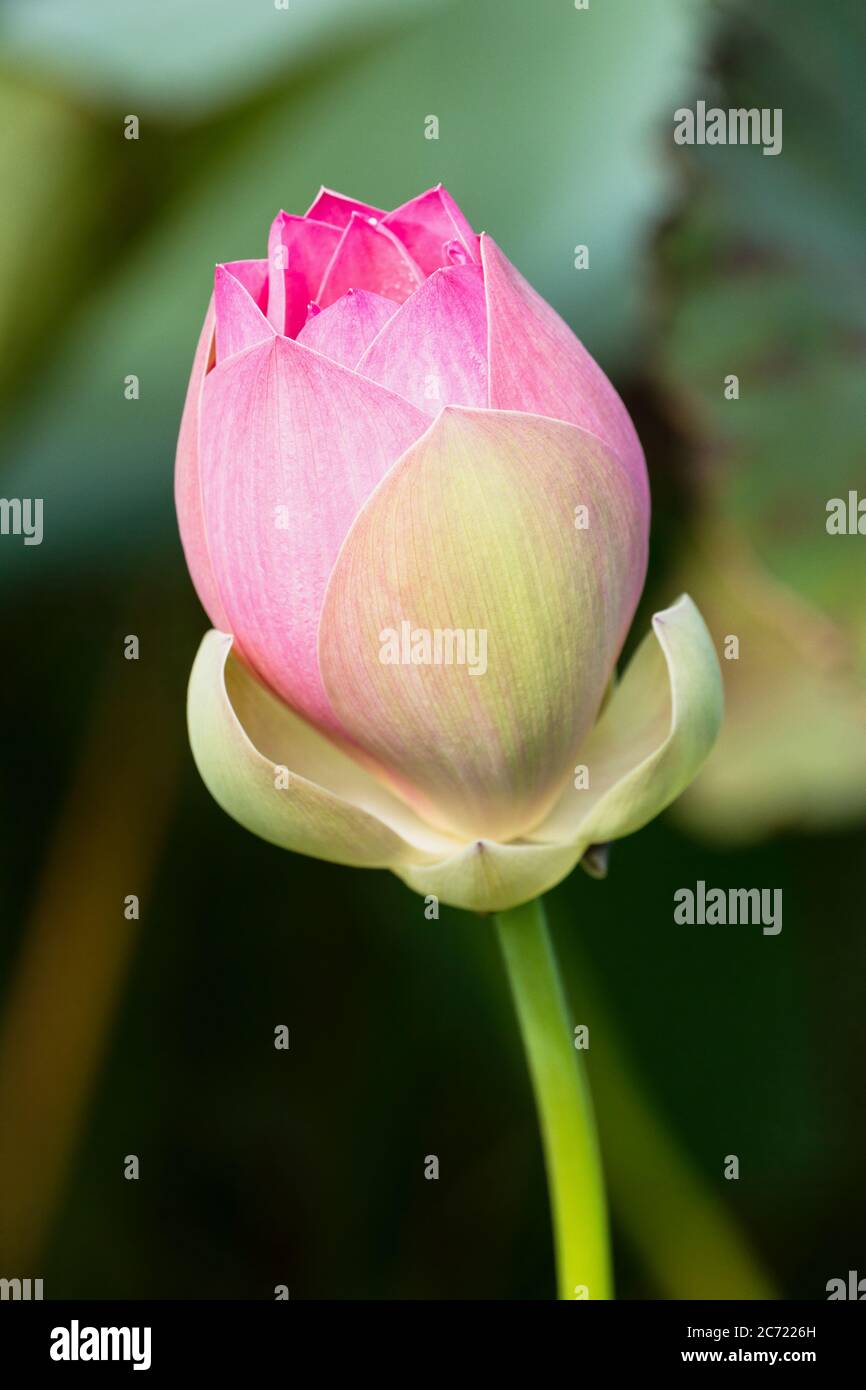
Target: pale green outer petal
[[241, 735], [330, 807], [490, 877], [656, 730]]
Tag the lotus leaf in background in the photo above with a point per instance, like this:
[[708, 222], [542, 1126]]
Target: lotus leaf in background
[[769, 252], [186, 61]]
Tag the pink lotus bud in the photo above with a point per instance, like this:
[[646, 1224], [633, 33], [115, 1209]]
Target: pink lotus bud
[[417, 514]]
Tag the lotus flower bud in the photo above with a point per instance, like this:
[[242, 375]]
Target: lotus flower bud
[[417, 514]]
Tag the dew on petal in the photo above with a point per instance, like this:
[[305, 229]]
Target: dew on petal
[[454, 252], [312, 310]]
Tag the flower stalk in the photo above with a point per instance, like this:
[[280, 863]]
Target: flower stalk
[[568, 1131]]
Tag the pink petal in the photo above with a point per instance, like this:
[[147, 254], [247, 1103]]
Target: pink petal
[[292, 445], [253, 275], [369, 257], [336, 208], [346, 329], [538, 365], [239, 321], [434, 349], [187, 484], [427, 224], [299, 250]]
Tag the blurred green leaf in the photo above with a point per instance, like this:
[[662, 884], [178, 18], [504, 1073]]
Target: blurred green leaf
[[766, 282], [48, 161], [809, 201], [794, 438], [792, 750], [180, 60]]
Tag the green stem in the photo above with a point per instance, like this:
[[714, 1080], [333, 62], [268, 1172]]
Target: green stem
[[571, 1150]]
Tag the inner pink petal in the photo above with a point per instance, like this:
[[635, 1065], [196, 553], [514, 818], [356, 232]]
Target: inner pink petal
[[430, 223], [239, 320], [369, 257], [253, 275], [299, 250], [345, 330], [336, 208], [434, 350]]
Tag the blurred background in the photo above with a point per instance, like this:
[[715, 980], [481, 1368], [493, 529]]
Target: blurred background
[[154, 1037]]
